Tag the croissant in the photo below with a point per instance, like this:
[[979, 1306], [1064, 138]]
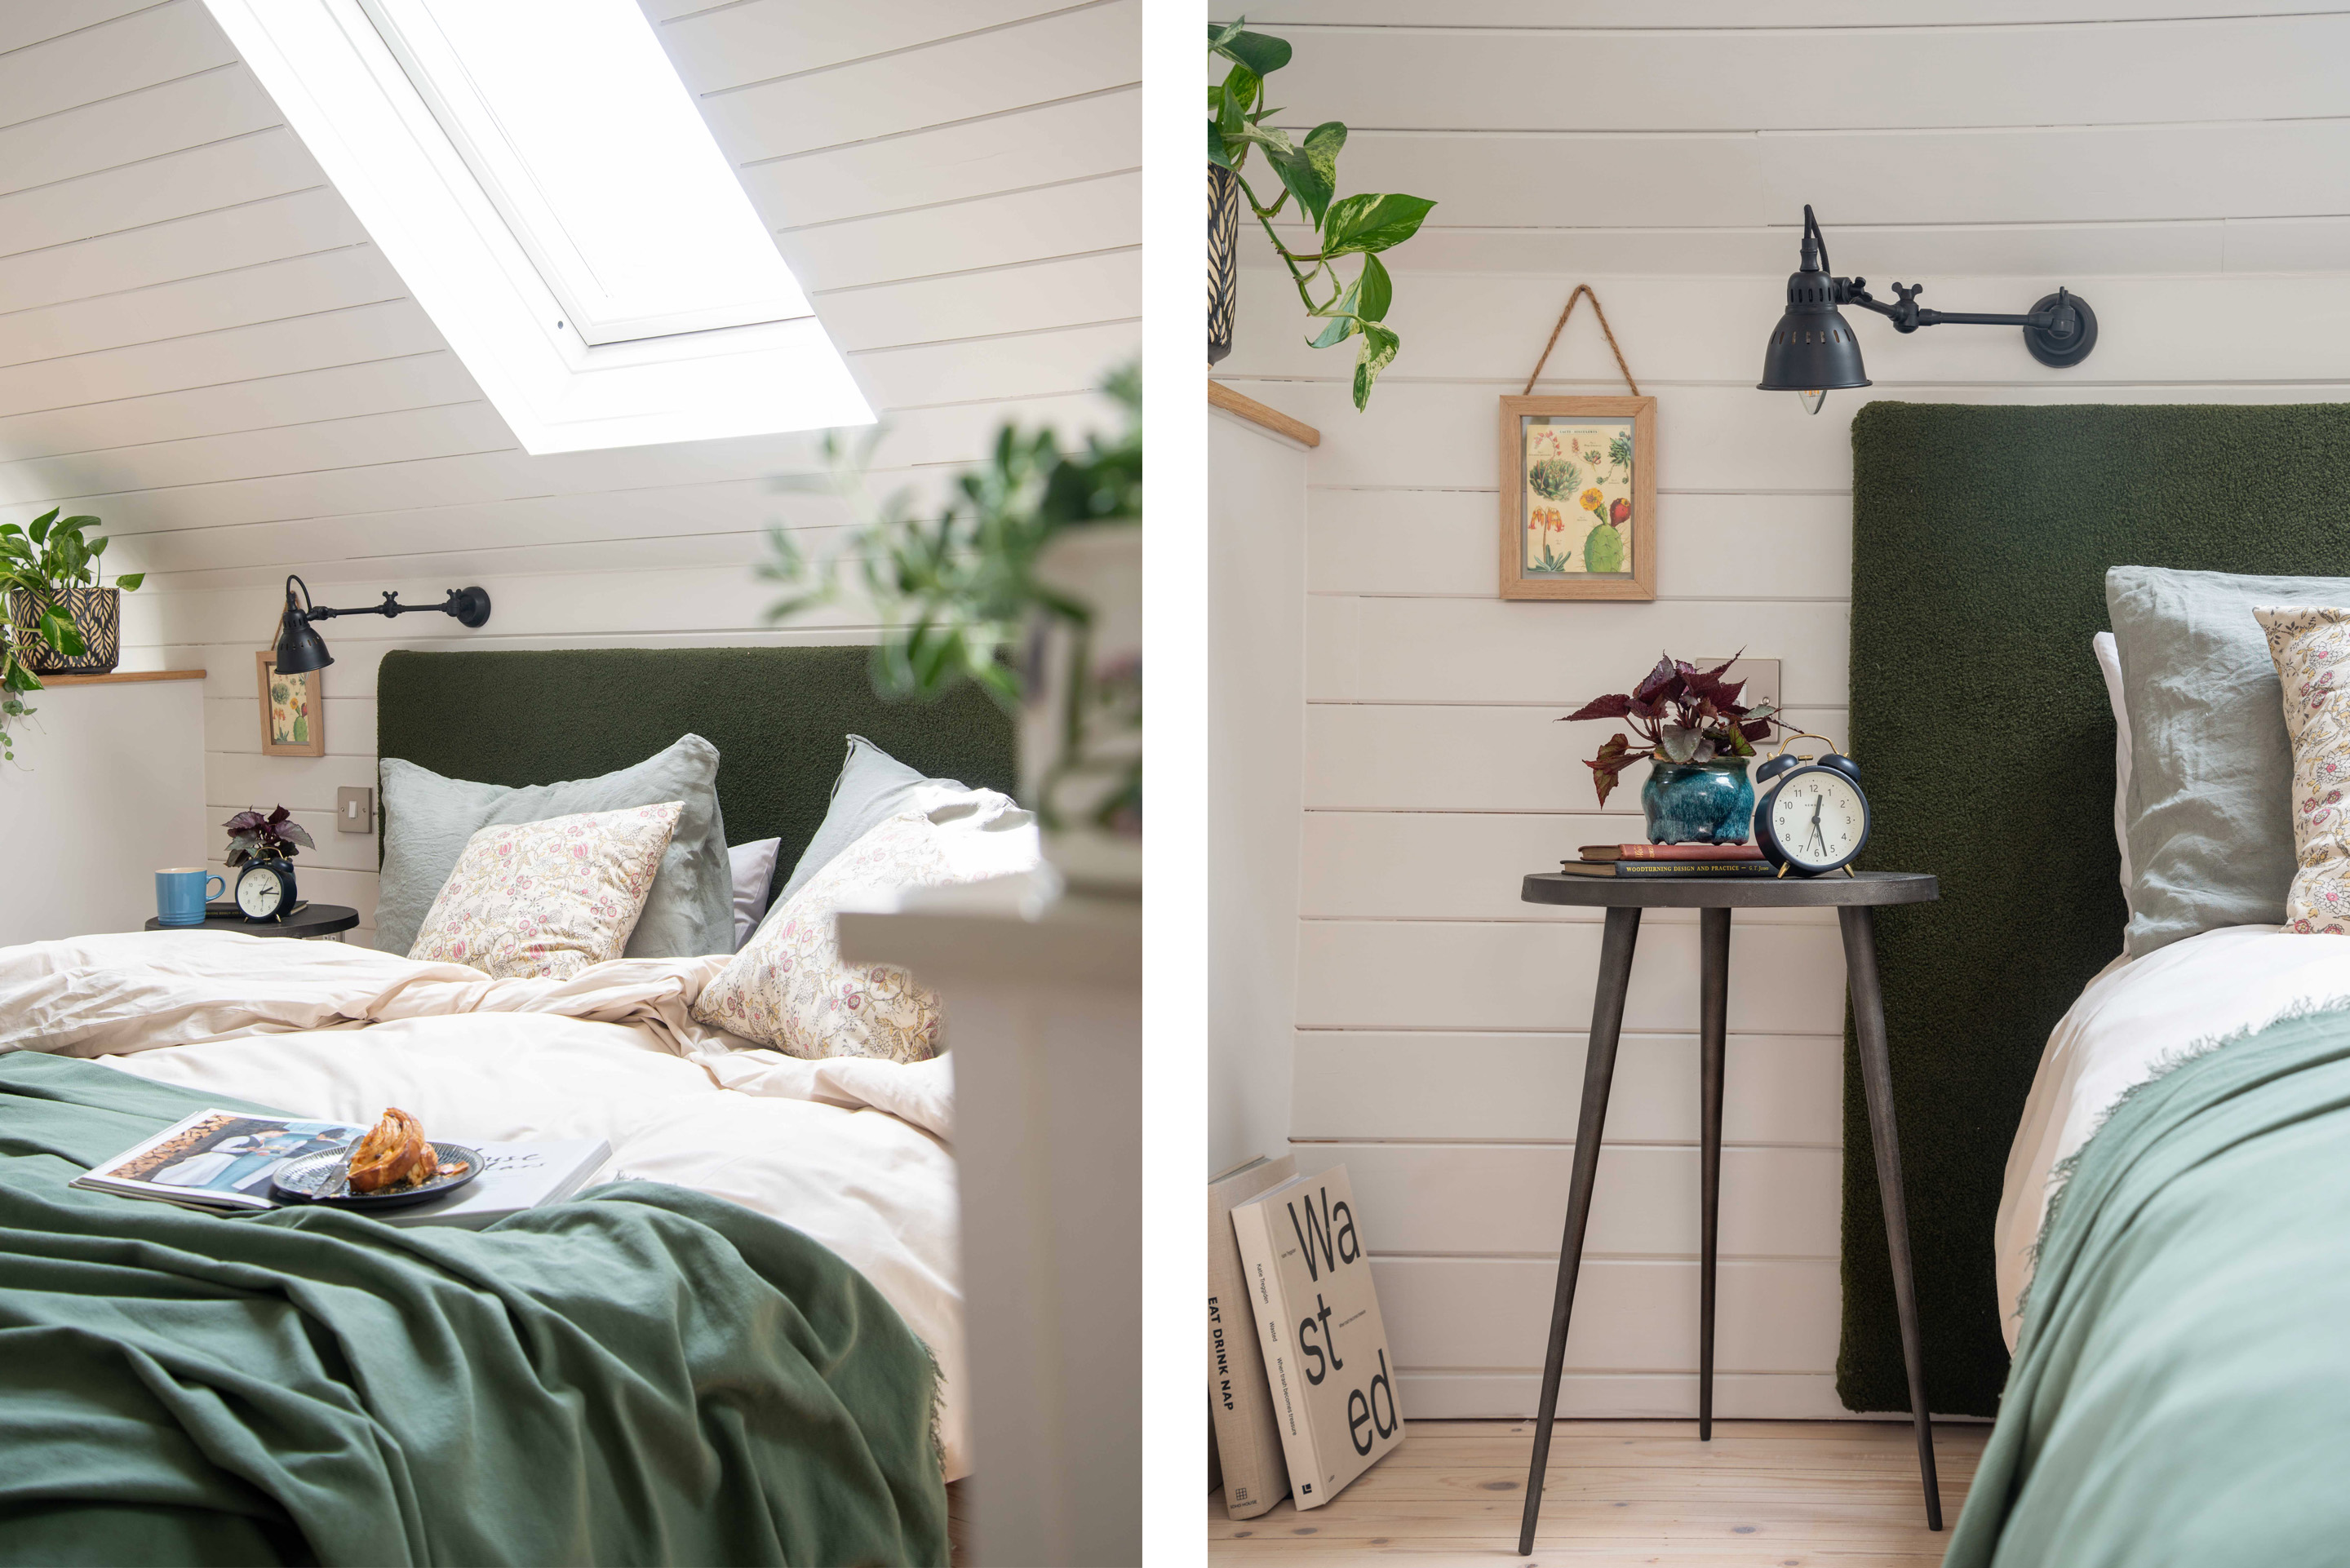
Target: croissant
[[394, 1153]]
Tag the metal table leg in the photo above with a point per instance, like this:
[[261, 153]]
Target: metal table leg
[[1712, 1033], [1623, 930], [1876, 1079]]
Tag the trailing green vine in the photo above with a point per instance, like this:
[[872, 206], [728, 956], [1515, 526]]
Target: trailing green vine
[[1361, 225]]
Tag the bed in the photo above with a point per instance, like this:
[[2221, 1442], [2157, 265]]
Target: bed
[[2139, 1163], [711, 1141]]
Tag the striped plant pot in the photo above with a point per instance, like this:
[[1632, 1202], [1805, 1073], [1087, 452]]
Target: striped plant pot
[[1223, 258], [97, 614]]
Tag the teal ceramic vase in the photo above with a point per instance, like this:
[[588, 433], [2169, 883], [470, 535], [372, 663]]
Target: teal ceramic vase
[[1697, 802]]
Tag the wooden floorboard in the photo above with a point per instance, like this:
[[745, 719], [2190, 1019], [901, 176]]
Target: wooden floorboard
[[1761, 1495]]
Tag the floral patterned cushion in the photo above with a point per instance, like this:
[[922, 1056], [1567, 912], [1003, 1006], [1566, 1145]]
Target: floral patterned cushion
[[789, 988], [546, 899], [2312, 650]]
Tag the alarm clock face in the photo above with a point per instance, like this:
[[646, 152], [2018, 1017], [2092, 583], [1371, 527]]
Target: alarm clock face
[[259, 893], [1818, 819]]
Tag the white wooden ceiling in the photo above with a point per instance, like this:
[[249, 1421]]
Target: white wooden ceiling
[[199, 343]]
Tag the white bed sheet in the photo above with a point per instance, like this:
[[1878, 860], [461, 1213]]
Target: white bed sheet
[[853, 1153], [2136, 1017]]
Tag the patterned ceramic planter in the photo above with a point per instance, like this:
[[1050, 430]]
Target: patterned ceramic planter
[[1223, 258], [97, 614], [1699, 803]]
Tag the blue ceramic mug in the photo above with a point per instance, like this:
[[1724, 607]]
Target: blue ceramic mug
[[181, 894]]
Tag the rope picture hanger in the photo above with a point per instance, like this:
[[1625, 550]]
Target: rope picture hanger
[[1578, 485], [1582, 290]]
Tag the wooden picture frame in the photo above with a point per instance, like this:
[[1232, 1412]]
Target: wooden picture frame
[[297, 708], [1554, 511]]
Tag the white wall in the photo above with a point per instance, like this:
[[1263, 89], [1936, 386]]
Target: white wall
[[106, 791], [1256, 744], [199, 345], [2187, 177]]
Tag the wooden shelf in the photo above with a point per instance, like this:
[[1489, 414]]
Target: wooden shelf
[[1223, 397], [120, 677]]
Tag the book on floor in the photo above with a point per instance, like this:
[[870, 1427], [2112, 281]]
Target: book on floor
[[1326, 1361], [1672, 852], [1633, 868], [221, 1161], [1248, 1445]]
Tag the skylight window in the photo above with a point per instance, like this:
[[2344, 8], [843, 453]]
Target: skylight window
[[551, 196], [578, 128]]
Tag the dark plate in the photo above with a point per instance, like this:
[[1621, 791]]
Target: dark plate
[[316, 1179]]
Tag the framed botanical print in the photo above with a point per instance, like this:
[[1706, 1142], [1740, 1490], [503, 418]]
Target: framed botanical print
[[1578, 480], [293, 710]]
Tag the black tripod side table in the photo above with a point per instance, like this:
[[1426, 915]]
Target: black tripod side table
[[1852, 898]]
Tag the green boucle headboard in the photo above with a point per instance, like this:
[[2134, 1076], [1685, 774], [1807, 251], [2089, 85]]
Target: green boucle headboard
[[779, 717], [1980, 539]]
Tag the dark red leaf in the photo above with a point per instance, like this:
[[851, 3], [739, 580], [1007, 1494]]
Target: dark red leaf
[[1710, 685], [1617, 706], [1658, 684], [1756, 728], [280, 814]]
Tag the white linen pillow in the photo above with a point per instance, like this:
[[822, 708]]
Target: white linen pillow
[[2109, 665], [788, 987], [546, 899], [754, 867], [871, 787]]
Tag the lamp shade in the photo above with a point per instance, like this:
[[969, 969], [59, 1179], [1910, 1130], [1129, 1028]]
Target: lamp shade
[[300, 648], [1812, 348]]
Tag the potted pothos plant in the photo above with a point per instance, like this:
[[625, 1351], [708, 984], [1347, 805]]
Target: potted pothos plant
[[1361, 225], [60, 617], [1026, 582], [1696, 736]]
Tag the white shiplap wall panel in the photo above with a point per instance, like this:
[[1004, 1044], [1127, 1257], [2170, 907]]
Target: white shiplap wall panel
[[199, 344], [1663, 152], [1053, 53], [1816, 78], [1073, 138], [218, 105], [1524, 1086]]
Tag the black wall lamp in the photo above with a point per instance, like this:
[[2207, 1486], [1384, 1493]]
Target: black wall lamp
[[301, 649], [1814, 350]]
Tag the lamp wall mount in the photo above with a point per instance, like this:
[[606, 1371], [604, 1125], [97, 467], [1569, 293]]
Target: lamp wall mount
[[470, 606], [1814, 350], [300, 648]]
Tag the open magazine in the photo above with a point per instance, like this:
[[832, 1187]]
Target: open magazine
[[221, 1161], [217, 1160]]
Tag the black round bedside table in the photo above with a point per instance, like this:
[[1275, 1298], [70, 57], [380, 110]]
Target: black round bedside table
[[308, 921], [1714, 897]]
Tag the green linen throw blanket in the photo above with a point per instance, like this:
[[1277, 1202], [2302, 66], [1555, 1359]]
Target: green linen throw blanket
[[649, 1375], [2182, 1378]]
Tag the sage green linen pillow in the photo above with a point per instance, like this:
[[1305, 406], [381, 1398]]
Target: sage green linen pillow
[[2210, 809], [427, 820]]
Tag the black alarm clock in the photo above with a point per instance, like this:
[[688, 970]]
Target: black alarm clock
[[1812, 817], [264, 890]]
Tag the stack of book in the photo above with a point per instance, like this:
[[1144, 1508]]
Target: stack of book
[[1669, 860]]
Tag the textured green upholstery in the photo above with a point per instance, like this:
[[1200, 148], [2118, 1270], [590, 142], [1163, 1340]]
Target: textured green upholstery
[[780, 718], [1980, 539]]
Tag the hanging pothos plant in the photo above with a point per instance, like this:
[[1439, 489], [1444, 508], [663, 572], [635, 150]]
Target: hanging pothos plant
[[1361, 225]]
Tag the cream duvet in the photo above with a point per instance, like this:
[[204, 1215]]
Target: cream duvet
[[854, 1153], [2136, 1017]]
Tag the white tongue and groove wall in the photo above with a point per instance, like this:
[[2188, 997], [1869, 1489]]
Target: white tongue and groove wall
[[199, 345], [2189, 176]]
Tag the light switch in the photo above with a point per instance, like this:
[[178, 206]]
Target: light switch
[[354, 810]]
